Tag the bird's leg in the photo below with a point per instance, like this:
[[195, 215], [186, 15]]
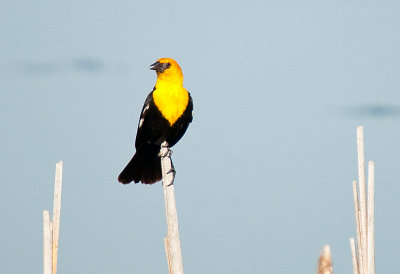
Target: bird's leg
[[172, 170], [168, 153]]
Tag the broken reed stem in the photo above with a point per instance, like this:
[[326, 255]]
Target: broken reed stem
[[47, 243], [51, 228], [371, 218], [363, 201], [56, 213], [358, 233], [325, 261], [172, 241], [353, 256], [364, 256]]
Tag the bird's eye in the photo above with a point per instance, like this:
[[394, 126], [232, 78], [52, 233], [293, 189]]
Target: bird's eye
[[168, 65]]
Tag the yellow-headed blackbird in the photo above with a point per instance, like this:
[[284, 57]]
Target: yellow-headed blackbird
[[166, 114]]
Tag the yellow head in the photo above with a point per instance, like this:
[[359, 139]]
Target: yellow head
[[168, 70]]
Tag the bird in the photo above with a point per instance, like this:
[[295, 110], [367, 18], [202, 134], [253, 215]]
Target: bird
[[166, 115]]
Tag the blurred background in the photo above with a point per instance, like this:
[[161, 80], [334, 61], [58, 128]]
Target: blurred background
[[264, 172]]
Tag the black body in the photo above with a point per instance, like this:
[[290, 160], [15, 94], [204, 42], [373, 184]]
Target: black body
[[153, 130]]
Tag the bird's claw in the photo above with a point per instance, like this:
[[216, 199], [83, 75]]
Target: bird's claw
[[172, 170], [168, 153]]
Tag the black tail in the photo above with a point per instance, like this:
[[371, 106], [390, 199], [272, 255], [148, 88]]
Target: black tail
[[145, 166]]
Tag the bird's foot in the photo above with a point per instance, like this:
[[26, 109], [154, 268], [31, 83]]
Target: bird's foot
[[168, 153], [172, 170]]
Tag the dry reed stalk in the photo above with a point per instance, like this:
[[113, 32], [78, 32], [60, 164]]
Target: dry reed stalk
[[371, 218], [353, 256], [173, 246], [363, 200], [51, 228], [358, 232], [364, 257], [167, 251], [325, 261], [56, 213], [47, 243]]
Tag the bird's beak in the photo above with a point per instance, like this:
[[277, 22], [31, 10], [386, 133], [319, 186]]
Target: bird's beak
[[159, 67], [154, 65]]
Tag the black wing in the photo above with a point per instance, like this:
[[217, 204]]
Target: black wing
[[151, 125], [143, 115]]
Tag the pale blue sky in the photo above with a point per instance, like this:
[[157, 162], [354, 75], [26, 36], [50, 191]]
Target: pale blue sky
[[264, 172]]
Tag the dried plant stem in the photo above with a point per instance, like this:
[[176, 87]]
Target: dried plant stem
[[357, 217], [353, 256], [363, 200], [325, 261], [56, 213], [172, 241], [51, 228], [364, 256], [167, 252], [47, 243], [371, 218]]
